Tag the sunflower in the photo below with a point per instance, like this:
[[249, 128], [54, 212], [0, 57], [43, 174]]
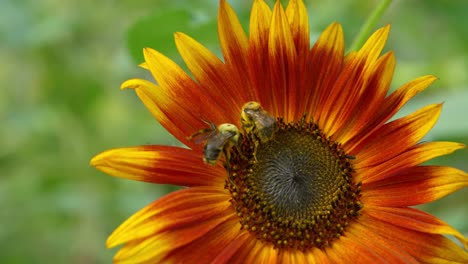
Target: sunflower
[[291, 156]]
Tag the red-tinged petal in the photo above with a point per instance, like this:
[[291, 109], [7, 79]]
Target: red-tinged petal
[[214, 79], [414, 219], [165, 247], [234, 45], [206, 247], [284, 256], [370, 100], [395, 137], [391, 251], [230, 254], [282, 58], [374, 45], [266, 254], [424, 247], [260, 20], [181, 123], [180, 98], [317, 256], [389, 107], [175, 210], [413, 156], [340, 104], [172, 222], [323, 68], [348, 250], [299, 23], [417, 185], [300, 257], [159, 164]]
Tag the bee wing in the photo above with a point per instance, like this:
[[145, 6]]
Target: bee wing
[[203, 135], [263, 118], [220, 139]]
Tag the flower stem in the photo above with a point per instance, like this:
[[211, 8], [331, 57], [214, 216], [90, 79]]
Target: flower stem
[[369, 25]]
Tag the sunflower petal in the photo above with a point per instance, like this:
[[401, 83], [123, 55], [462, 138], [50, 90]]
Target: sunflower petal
[[214, 79], [349, 250], [395, 137], [234, 45], [414, 219], [370, 100], [390, 106], [324, 67], [298, 19], [171, 222], [282, 56], [391, 251], [417, 185], [423, 246], [338, 106], [260, 20], [296, 14], [205, 247], [230, 254], [265, 254], [180, 123], [159, 164], [180, 97], [413, 156]]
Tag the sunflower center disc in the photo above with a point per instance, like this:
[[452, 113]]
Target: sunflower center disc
[[294, 190]]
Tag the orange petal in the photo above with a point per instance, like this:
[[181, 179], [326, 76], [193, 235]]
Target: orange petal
[[179, 97], [380, 245], [413, 156], [390, 106], [370, 100], [171, 222], [324, 67], [230, 254], [417, 185], [265, 253], [227, 95], [299, 24], [234, 45], [282, 62], [348, 250], [206, 248], [159, 164], [260, 19], [395, 137], [416, 220], [374, 45], [424, 247], [298, 19], [168, 109], [339, 105]]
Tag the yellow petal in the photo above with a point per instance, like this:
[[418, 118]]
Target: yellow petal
[[159, 164]]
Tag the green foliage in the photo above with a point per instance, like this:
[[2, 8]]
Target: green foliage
[[63, 62]]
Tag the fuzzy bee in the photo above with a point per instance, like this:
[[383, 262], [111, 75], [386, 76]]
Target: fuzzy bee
[[255, 119], [217, 140]]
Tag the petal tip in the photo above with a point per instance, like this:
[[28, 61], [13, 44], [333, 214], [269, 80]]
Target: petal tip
[[97, 160]]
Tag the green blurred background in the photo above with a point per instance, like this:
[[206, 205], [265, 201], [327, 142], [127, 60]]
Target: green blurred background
[[63, 62]]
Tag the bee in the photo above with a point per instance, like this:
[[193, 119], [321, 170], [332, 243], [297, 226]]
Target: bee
[[217, 140], [255, 119]]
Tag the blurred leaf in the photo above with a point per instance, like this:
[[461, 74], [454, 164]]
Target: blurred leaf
[[157, 31]]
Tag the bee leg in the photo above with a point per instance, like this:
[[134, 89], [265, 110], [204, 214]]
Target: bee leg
[[227, 155]]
